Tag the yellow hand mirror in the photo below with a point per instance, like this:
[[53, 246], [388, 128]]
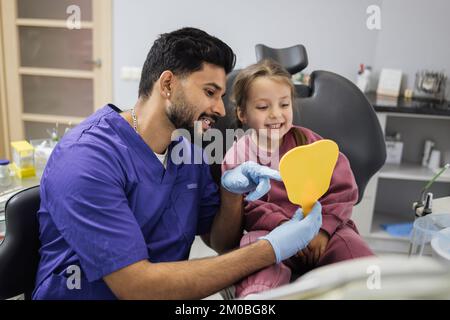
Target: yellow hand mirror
[[306, 172]]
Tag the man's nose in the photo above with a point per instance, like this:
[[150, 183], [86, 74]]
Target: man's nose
[[219, 108]]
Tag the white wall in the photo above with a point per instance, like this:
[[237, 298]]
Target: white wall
[[334, 32], [415, 35]]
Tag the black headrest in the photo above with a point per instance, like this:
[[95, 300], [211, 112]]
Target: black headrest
[[294, 59]]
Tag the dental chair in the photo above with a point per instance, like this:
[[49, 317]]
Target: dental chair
[[19, 251]]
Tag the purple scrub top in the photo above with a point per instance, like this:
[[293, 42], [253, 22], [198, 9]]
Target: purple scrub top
[[108, 202]]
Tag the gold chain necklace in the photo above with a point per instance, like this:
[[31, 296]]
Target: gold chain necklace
[[133, 115]]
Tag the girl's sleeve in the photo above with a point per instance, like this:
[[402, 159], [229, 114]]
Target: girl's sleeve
[[262, 215], [338, 202], [259, 214]]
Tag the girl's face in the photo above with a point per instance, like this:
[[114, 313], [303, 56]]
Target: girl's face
[[268, 109]]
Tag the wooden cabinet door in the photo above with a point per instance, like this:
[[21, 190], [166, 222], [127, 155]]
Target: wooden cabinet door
[[57, 56]]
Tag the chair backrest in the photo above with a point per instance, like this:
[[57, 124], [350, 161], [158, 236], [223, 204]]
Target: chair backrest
[[227, 122], [336, 109], [294, 59], [19, 251]]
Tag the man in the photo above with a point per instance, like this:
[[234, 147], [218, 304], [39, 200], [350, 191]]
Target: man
[[118, 216]]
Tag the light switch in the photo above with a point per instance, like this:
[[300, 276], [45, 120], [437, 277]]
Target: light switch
[[130, 73], [136, 73]]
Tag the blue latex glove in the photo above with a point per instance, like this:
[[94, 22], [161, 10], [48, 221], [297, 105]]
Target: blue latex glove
[[249, 177], [290, 237]]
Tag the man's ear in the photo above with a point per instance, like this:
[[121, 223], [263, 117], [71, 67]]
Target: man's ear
[[240, 113], [166, 83]]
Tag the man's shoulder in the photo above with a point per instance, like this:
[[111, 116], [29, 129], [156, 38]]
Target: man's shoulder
[[96, 134], [86, 149], [82, 166], [96, 128]]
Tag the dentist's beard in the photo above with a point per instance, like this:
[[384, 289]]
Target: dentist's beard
[[182, 115]]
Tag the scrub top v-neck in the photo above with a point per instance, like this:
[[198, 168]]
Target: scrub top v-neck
[[107, 202]]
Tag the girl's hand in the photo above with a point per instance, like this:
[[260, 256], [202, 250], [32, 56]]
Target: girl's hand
[[315, 249]]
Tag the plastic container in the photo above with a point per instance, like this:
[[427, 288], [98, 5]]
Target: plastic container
[[440, 244], [5, 174], [23, 156], [425, 228], [42, 150]]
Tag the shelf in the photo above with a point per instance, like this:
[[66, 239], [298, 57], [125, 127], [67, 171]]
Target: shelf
[[51, 119], [402, 107], [383, 235], [382, 242], [50, 23], [414, 115], [384, 218], [53, 72], [407, 171]]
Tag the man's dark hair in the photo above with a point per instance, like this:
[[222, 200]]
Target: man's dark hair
[[183, 52]]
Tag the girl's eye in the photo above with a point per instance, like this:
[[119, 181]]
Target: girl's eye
[[261, 107], [285, 105]]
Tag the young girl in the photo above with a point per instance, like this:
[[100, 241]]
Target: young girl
[[263, 94]]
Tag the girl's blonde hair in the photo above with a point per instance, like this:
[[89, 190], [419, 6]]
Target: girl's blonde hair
[[264, 68]]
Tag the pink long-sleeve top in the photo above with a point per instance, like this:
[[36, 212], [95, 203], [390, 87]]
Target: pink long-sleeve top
[[275, 207]]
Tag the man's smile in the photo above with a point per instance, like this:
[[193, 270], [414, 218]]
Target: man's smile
[[207, 121]]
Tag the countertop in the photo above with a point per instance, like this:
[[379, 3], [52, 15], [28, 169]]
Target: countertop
[[404, 105]]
